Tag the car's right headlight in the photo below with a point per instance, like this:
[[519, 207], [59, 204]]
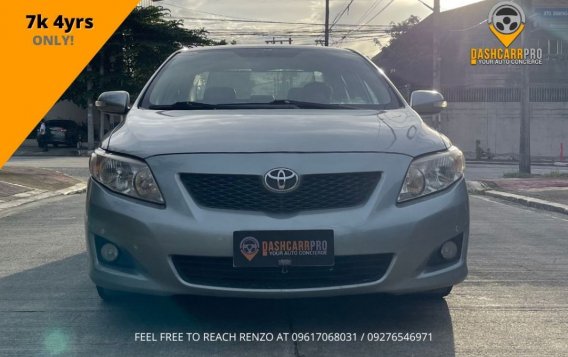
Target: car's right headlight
[[125, 175], [432, 173]]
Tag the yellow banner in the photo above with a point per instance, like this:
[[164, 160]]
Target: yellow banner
[[46, 45]]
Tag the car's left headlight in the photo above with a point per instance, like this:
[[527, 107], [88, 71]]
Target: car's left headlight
[[125, 175], [432, 173]]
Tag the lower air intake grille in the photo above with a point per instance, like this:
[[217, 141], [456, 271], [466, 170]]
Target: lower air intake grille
[[219, 272]]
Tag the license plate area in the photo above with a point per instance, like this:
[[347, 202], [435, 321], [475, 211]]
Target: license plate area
[[283, 248]]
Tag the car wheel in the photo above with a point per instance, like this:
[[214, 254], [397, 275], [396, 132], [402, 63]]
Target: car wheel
[[55, 145]]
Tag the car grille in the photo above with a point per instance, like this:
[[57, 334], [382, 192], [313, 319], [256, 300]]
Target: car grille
[[219, 272], [247, 192]]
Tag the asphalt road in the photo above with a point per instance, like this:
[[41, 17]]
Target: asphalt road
[[514, 302]]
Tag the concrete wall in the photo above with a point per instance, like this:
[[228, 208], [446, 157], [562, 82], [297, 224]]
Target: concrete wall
[[497, 126]]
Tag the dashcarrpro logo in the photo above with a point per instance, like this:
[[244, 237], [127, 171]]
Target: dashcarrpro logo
[[249, 247], [506, 21]]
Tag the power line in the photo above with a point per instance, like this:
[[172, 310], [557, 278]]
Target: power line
[[364, 31], [293, 31], [205, 12], [371, 19], [227, 18], [369, 11], [274, 22], [378, 13], [336, 16], [340, 15], [362, 18]]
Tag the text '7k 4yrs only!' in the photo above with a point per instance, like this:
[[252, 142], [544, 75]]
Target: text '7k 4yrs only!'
[[67, 24]]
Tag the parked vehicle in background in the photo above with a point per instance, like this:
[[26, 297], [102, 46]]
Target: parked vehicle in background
[[61, 132]]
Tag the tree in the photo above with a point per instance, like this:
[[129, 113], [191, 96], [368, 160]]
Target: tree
[[397, 30], [128, 59], [132, 54], [407, 59]]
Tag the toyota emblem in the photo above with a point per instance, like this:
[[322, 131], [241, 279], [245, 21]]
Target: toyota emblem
[[281, 180]]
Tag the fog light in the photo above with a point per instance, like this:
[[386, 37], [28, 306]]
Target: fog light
[[449, 250], [109, 252]]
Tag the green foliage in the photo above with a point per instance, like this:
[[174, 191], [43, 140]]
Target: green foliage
[[407, 58], [132, 54], [399, 29]]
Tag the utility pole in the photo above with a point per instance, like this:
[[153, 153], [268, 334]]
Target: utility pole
[[436, 67], [525, 138], [436, 70], [101, 113], [326, 41], [90, 126]]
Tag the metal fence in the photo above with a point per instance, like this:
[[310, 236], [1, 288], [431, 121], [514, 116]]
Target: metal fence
[[549, 95], [537, 94]]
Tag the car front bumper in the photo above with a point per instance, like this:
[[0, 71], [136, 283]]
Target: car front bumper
[[412, 232]]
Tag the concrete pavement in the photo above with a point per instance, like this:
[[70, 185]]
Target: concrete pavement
[[538, 192], [493, 171], [549, 189], [22, 185], [73, 166], [513, 302]]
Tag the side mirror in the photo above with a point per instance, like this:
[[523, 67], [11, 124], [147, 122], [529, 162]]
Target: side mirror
[[115, 102], [427, 102]]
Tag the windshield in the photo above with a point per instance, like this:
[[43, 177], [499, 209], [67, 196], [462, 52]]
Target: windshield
[[230, 78]]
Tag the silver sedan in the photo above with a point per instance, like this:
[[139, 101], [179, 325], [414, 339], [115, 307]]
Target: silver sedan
[[275, 172]]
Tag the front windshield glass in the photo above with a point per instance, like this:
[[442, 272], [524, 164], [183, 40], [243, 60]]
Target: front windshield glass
[[269, 76]]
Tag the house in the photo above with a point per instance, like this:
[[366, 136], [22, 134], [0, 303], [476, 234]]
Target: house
[[485, 100]]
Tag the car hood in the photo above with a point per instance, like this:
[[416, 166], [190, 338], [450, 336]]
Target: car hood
[[147, 133]]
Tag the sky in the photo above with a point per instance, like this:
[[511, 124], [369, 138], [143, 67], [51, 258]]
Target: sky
[[361, 25]]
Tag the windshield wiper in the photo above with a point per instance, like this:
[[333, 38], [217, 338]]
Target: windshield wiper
[[183, 106], [275, 103], [309, 105]]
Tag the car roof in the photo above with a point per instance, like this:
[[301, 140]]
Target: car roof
[[290, 47]]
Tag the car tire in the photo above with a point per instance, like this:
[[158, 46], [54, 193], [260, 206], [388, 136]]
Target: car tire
[[55, 145]]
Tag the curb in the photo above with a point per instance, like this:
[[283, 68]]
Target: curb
[[529, 201], [476, 187], [73, 190], [38, 195]]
